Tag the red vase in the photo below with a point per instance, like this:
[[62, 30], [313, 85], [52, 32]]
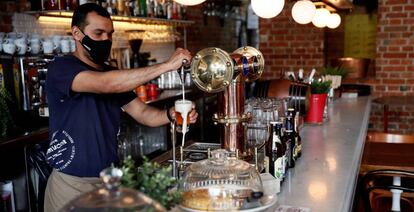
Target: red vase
[[316, 107]]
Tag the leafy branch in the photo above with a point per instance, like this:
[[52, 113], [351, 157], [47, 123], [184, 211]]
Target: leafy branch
[[339, 71], [319, 87], [151, 179]]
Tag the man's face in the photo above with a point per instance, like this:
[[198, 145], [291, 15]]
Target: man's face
[[98, 27]]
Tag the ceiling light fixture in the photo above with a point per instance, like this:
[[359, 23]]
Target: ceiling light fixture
[[303, 11], [189, 2], [267, 8], [334, 21], [321, 17]]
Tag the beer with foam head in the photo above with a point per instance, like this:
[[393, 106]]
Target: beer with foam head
[[182, 110]]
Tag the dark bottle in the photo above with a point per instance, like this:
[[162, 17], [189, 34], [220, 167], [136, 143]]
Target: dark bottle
[[297, 152], [143, 8], [297, 135], [274, 151], [289, 137]]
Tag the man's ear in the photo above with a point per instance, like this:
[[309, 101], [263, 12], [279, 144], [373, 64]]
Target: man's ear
[[77, 34]]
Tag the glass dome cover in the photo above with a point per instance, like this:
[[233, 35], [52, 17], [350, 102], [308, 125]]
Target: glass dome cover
[[113, 198], [219, 183]]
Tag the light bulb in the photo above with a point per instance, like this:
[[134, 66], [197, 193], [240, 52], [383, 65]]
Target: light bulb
[[321, 17], [303, 11], [267, 8], [334, 21], [189, 2]]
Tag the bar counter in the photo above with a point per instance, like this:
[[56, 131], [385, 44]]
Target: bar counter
[[325, 177]]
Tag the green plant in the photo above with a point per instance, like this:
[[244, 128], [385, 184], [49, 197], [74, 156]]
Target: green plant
[[6, 120], [329, 70], [153, 180], [319, 87]]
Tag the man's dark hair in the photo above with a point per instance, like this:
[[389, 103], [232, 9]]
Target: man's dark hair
[[79, 16]]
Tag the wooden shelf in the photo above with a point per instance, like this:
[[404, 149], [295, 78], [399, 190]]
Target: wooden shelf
[[130, 19]]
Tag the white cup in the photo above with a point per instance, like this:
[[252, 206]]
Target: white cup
[[20, 41], [34, 40], [9, 48], [36, 48], [13, 35], [56, 37], [32, 36], [48, 47], [8, 40], [72, 45], [22, 49], [65, 46]]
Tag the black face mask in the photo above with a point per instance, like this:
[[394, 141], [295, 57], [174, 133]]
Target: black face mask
[[98, 50]]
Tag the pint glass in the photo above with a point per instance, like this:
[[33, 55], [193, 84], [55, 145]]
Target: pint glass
[[182, 109]]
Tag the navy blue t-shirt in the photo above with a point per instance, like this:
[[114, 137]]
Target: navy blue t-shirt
[[82, 126]]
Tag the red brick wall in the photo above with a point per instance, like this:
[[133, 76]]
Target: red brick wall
[[395, 63], [283, 42], [211, 34]]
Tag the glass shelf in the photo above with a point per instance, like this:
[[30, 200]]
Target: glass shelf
[[130, 19]]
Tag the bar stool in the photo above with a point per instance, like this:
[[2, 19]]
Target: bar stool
[[388, 190]]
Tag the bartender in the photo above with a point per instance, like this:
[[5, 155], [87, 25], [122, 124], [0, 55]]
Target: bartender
[[85, 98]]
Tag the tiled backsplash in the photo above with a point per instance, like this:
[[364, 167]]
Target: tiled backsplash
[[161, 51]]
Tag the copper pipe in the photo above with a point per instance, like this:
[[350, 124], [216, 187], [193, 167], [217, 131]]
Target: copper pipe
[[232, 106]]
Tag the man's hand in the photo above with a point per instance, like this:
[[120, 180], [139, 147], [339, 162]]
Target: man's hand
[[176, 60], [193, 114]]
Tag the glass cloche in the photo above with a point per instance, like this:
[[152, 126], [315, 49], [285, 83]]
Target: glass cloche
[[220, 183], [111, 197]]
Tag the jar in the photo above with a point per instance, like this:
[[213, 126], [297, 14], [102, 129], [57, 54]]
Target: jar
[[141, 92]]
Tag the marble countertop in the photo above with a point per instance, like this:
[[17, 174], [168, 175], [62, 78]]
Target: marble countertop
[[324, 178]]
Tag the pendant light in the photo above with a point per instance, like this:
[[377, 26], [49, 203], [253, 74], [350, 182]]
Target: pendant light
[[321, 17], [334, 21], [303, 11], [267, 8], [189, 2]]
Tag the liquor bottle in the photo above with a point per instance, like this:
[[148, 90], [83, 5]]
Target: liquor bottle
[[297, 135], [290, 141], [274, 151], [143, 8], [136, 10], [297, 152]]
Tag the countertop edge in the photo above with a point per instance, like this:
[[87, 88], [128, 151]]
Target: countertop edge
[[349, 196]]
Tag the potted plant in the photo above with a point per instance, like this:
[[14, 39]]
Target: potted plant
[[6, 120], [334, 74], [152, 180], [319, 92]]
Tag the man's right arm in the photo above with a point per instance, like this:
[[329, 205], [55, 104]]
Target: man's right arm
[[120, 81]]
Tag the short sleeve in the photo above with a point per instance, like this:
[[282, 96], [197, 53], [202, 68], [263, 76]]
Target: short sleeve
[[61, 73], [125, 98]]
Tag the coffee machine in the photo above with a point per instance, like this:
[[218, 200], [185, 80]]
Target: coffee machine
[[33, 72], [135, 39]]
